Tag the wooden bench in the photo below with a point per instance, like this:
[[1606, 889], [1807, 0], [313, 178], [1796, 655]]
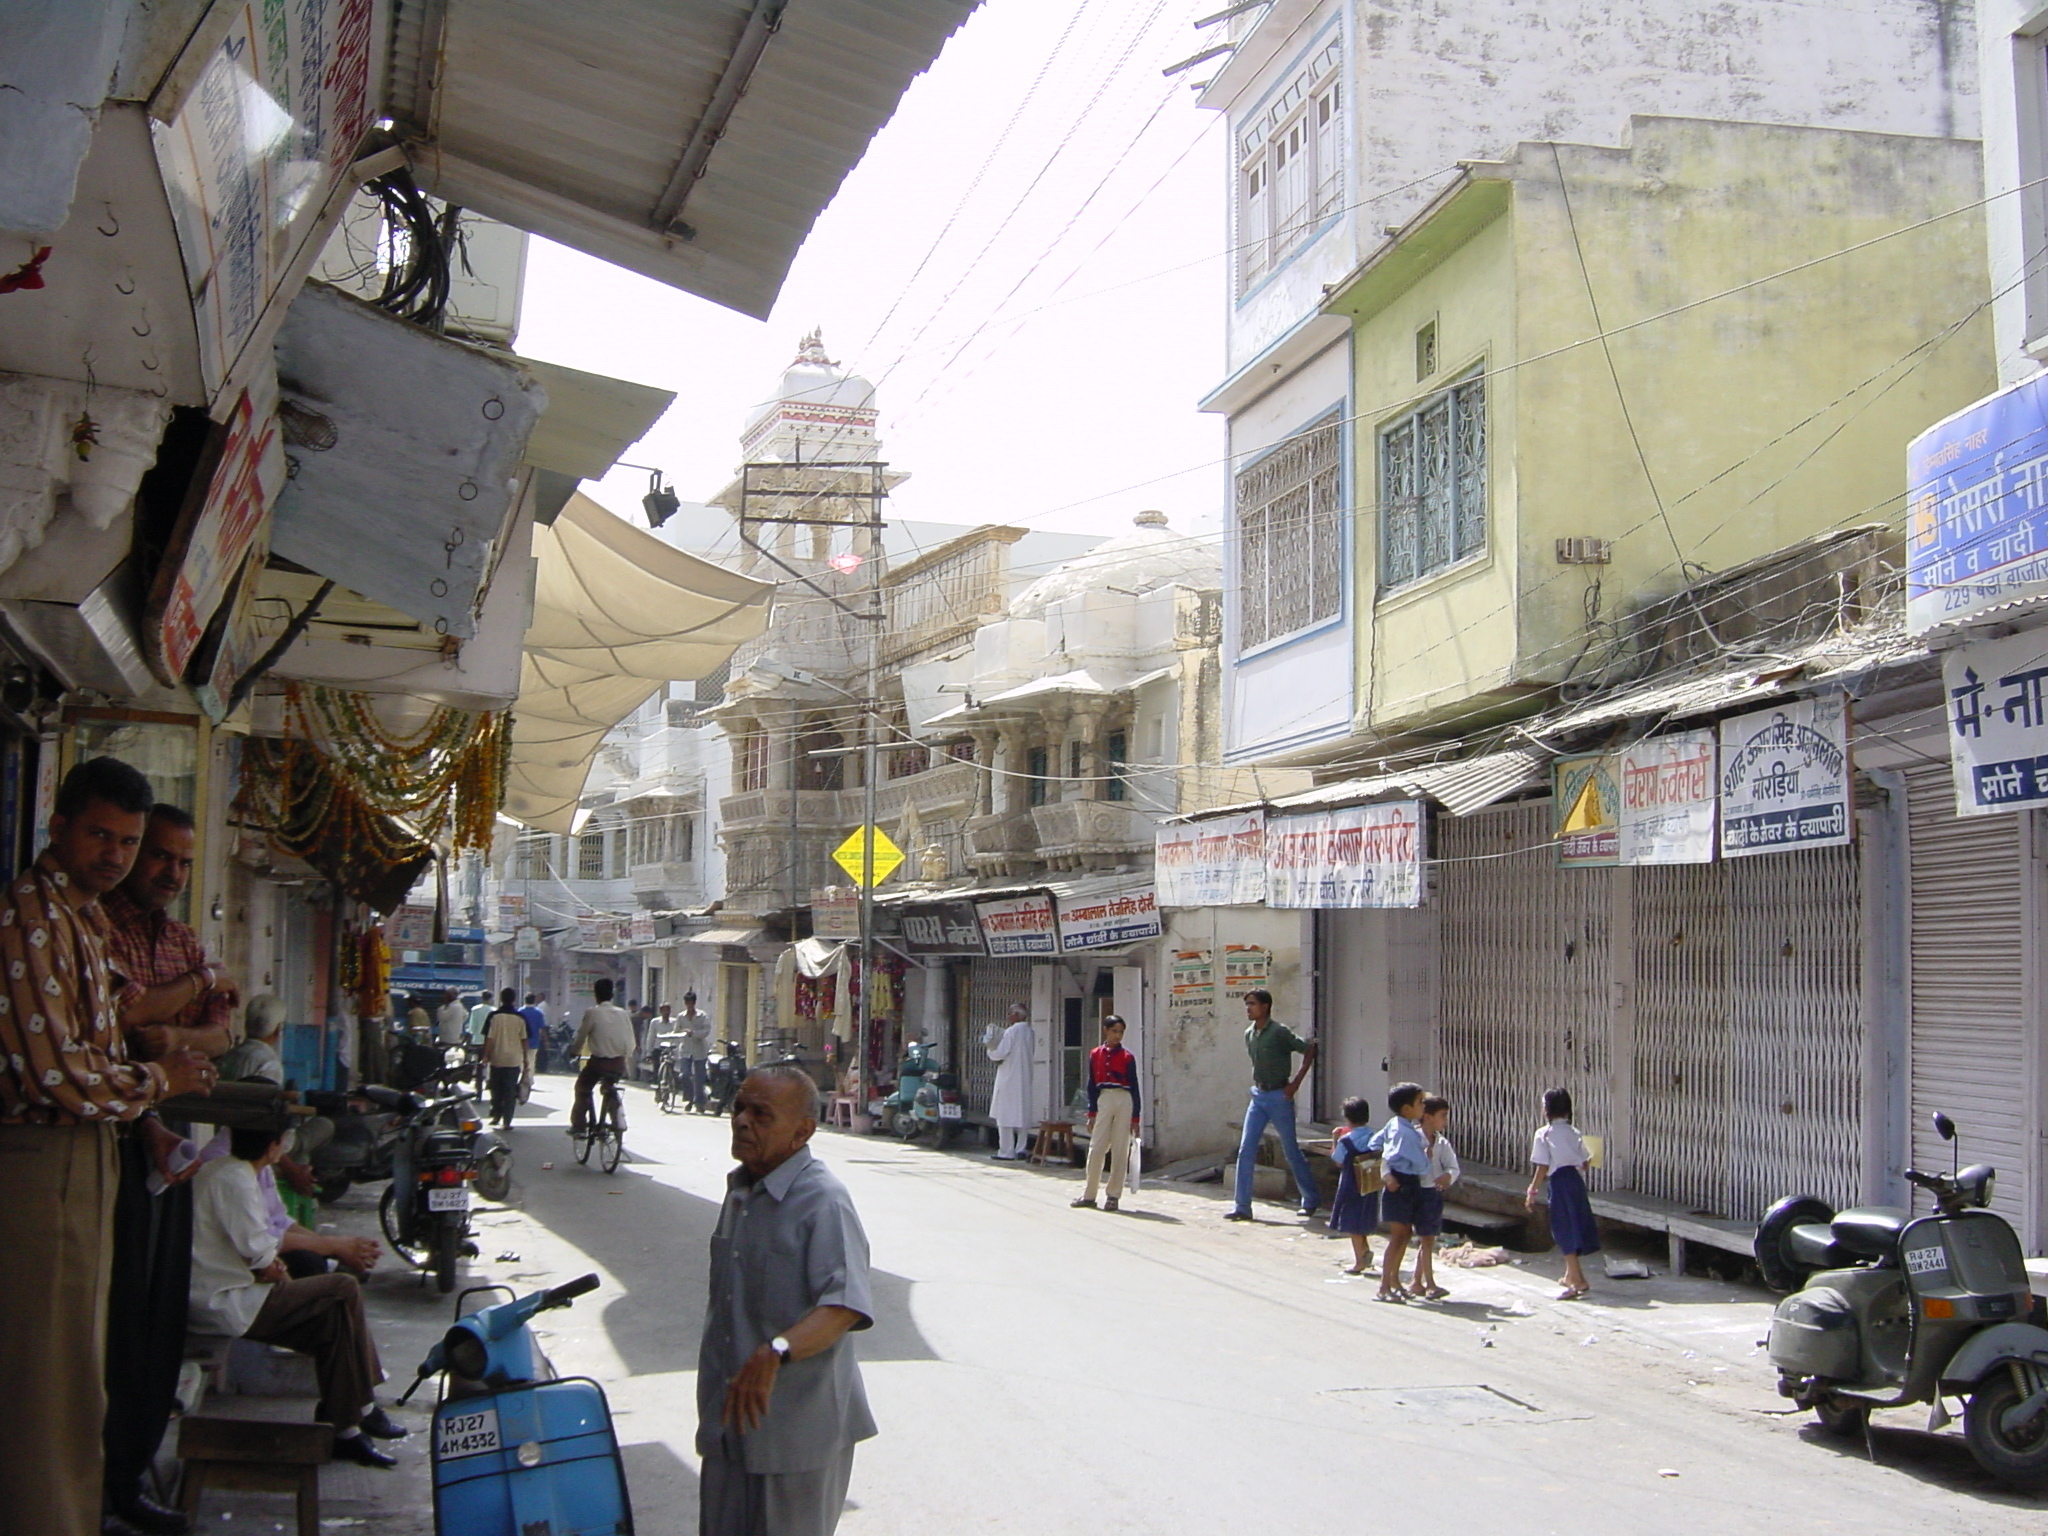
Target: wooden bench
[[268, 1455]]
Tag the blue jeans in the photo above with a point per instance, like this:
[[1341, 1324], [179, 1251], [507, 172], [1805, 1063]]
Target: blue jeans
[[693, 1081], [1271, 1106]]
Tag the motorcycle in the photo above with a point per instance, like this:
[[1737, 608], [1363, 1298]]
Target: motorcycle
[[722, 1078], [927, 1099], [425, 1210], [516, 1448], [1889, 1309]]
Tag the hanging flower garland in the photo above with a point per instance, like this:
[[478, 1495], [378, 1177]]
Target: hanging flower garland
[[447, 778], [291, 792]]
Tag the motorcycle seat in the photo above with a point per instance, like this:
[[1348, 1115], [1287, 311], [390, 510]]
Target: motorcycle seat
[[1813, 1246], [1869, 1231]]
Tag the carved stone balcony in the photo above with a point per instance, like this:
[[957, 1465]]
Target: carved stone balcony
[[823, 808], [1002, 845], [1074, 834], [950, 789], [667, 885]]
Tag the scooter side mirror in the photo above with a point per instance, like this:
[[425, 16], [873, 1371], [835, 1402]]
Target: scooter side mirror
[[1944, 1127]]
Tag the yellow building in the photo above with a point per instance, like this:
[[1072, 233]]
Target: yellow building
[[1586, 375]]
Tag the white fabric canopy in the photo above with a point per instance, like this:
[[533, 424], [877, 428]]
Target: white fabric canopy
[[616, 613]]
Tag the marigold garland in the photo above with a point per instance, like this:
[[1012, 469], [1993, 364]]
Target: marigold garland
[[451, 770], [291, 792]]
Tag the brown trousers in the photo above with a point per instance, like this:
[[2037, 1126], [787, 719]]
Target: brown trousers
[[323, 1317], [56, 1251]]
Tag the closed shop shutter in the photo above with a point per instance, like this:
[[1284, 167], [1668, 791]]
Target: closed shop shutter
[[1525, 980], [992, 985], [1682, 1033], [1969, 950]]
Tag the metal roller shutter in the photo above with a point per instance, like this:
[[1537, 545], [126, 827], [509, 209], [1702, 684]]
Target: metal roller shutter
[[1968, 947], [1680, 1131], [992, 985], [1525, 980]]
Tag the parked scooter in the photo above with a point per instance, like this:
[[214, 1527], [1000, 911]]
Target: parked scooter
[[425, 1210], [516, 1449], [723, 1075], [927, 1098], [1892, 1309]]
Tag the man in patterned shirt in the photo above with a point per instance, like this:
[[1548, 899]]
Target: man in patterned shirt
[[65, 1082], [175, 999]]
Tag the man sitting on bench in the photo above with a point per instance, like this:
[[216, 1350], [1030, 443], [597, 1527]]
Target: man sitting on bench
[[240, 1287]]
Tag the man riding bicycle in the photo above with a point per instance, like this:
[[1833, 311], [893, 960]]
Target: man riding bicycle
[[608, 1030]]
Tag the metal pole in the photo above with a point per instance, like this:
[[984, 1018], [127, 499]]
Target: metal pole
[[864, 1015]]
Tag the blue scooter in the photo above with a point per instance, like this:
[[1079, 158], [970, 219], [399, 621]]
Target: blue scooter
[[516, 1449]]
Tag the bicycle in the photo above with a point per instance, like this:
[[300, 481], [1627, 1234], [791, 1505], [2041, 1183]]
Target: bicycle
[[607, 1132], [668, 1084]]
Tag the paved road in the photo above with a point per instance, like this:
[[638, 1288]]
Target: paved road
[[1044, 1370]]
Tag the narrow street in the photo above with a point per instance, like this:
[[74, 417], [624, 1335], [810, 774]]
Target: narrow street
[[1039, 1369]]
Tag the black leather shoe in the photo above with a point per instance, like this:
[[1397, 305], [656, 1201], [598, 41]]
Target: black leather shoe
[[381, 1426], [141, 1513], [357, 1448]]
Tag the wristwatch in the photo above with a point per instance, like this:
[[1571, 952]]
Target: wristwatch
[[781, 1347]]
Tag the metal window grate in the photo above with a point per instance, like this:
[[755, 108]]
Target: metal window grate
[[1290, 536], [1433, 485]]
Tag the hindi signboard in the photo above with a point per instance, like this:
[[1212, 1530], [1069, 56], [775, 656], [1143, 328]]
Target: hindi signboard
[[942, 928], [1023, 925], [1977, 508], [526, 943], [1360, 856], [1220, 862], [1998, 723], [1106, 921], [1668, 799], [835, 912], [255, 150], [1785, 778], [1586, 806]]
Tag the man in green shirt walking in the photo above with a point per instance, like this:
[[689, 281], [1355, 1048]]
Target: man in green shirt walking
[[1272, 1047]]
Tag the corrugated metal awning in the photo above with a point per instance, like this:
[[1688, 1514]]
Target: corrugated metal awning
[[695, 142], [1460, 787]]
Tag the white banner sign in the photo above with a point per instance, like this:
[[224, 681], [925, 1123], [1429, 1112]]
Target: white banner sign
[[1362, 856], [1100, 922], [1998, 723], [1020, 927], [526, 943], [1785, 778], [1667, 799], [1216, 863]]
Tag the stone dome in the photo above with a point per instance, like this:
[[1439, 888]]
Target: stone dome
[[1149, 556], [814, 379]]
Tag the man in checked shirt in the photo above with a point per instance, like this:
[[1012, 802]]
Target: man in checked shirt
[[66, 1081], [176, 998]]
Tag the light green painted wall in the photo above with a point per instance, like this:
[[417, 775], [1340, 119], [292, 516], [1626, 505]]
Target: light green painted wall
[[1765, 416]]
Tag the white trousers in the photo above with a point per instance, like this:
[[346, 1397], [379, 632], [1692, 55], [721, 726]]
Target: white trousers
[[1012, 1143], [1111, 1139]]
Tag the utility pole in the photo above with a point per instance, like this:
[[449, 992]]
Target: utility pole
[[870, 729]]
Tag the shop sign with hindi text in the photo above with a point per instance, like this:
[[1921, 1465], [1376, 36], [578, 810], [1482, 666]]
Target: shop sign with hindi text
[[1586, 805], [1997, 695], [1668, 799], [1977, 508], [942, 928], [1104, 922], [1023, 925], [1785, 780], [1360, 856], [1220, 862]]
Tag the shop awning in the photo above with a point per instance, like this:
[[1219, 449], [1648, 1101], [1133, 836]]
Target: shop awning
[[616, 612], [693, 143]]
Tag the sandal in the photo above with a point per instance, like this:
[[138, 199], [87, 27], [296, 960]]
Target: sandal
[[1573, 1293], [1365, 1269], [1435, 1292], [1396, 1295]]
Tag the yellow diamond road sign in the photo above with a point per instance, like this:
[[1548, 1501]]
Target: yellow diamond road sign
[[852, 854]]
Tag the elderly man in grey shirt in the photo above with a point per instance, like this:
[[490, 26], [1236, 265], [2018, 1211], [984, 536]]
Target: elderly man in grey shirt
[[780, 1405]]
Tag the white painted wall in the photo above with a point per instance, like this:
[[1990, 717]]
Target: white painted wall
[[2013, 69]]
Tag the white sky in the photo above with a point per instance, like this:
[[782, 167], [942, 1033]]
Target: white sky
[[1027, 263]]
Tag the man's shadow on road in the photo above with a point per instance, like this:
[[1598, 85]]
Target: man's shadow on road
[[656, 1242]]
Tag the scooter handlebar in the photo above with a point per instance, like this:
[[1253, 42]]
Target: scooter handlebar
[[568, 1291]]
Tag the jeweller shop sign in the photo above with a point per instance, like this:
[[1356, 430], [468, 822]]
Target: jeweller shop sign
[[1977, 508], [1997, 695], [1785, 778], [1360, 856]]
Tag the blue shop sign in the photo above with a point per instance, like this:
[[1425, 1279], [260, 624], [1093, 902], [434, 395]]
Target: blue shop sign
[[1977, 529]]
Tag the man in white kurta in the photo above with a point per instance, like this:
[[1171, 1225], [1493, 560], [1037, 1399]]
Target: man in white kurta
[[1010, 1105]]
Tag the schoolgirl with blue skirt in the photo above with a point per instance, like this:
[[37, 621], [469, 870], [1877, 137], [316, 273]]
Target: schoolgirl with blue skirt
[[1355, 1212], [1559, 1157]]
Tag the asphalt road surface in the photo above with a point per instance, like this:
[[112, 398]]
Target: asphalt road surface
[[1041, 1370]]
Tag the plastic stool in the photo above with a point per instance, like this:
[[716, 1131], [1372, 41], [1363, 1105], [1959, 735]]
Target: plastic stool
[[839, 1110], [1055, 1139]]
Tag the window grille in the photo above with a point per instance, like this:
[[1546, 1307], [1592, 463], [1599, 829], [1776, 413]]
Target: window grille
[[1035, 768], [1291, 536], [590, 856], [1290, 168], [682, 839], [1118, 751], [1433, 485]]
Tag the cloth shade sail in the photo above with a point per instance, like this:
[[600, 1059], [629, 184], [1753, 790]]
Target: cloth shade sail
[[616, 613]]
